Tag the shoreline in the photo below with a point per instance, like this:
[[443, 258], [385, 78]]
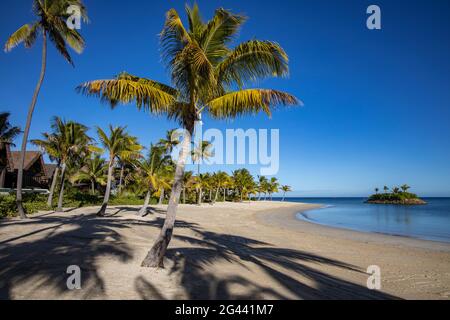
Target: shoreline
[[291, 221]]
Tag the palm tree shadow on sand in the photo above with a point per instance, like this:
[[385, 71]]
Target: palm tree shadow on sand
[[43, 262]]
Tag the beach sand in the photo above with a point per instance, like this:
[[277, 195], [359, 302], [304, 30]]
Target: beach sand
[[254, 250]]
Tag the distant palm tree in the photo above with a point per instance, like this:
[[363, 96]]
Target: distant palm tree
[[201, 153], [220, 180], [204, 71], [73, 143], [386, 189], [7, 135], [187, 181], [273, 187], [285, 190], [405, 188], [118, 144], [94, 171], [263, 184], [377, 190], [51, 24]]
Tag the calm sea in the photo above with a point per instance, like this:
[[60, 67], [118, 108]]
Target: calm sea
[[429, 222]]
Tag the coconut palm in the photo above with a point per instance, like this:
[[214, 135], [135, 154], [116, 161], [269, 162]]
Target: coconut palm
[[273, 187], [377, 190], [51, 25], [405, 188], [7, 135], [285, 189], [201, 183], [187, 182], [118, 144], [204, 72], [262, 186], [201, 153], [243, 182], [396, 190], [94, 170], [73, 143], [386, 189], [220, 180], [51, 145]]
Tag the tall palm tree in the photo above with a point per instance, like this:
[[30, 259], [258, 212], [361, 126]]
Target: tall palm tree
[[50, 24], [386, 189], [128, 159], [285, 189], [377, 190], [7, 135], [204, 71], [94, 171], [220, 179], [201, 153], [118, 144]]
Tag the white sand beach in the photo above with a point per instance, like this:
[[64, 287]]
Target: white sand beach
[[251, 250]]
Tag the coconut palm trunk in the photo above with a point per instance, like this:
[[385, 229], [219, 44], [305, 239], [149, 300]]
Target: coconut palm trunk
[[216, 195], [61, 189], [144, 208], [155, 258], [26, 132], [184, 195], [102, 211], [53, 187], [122, 168], [200, 195], [93, 187], [284, 196], [161, 197]]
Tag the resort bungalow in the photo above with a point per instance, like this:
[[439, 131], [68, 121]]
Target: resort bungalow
[[36, 174]]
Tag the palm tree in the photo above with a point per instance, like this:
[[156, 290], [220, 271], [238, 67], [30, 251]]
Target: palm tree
[[395, 190], [377, 190], [220, 180], [201, 153], [94, 171], [50, 24], [262, 186], [285, 190], [243, 182], [273, 187], [73, 143], [128, 159], [200, 183], [51, 145], [187, 182], [7, 135], [118, 144], [405, 188], [386, 189], [204, 71]]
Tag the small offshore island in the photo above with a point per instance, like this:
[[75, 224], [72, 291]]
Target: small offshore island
[[398, 196]]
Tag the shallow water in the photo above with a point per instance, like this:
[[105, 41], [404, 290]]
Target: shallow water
[[429, 222]]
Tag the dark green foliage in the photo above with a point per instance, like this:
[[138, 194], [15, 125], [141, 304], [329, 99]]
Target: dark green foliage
[[398, 196]]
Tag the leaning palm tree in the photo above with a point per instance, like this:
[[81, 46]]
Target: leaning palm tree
[[118, 144], [201, 153], [204, 70], [51, 25], [262, 186], [7, 135], [285, 189]]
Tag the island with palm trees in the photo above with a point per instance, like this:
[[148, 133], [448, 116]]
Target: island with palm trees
[[397, 196]]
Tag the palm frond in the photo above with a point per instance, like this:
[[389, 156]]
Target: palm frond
[[150, 95], [250, 101], [253, 60], [26, 34]]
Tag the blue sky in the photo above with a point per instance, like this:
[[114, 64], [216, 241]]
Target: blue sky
[[376, 102]]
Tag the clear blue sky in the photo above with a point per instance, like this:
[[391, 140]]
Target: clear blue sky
[[377, 103]]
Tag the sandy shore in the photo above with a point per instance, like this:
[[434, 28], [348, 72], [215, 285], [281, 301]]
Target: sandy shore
[[227, 251]]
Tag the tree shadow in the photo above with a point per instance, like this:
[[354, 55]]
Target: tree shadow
[[282, 265], [42, 264]]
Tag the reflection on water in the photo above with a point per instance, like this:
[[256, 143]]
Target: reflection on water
[[431, 222]]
